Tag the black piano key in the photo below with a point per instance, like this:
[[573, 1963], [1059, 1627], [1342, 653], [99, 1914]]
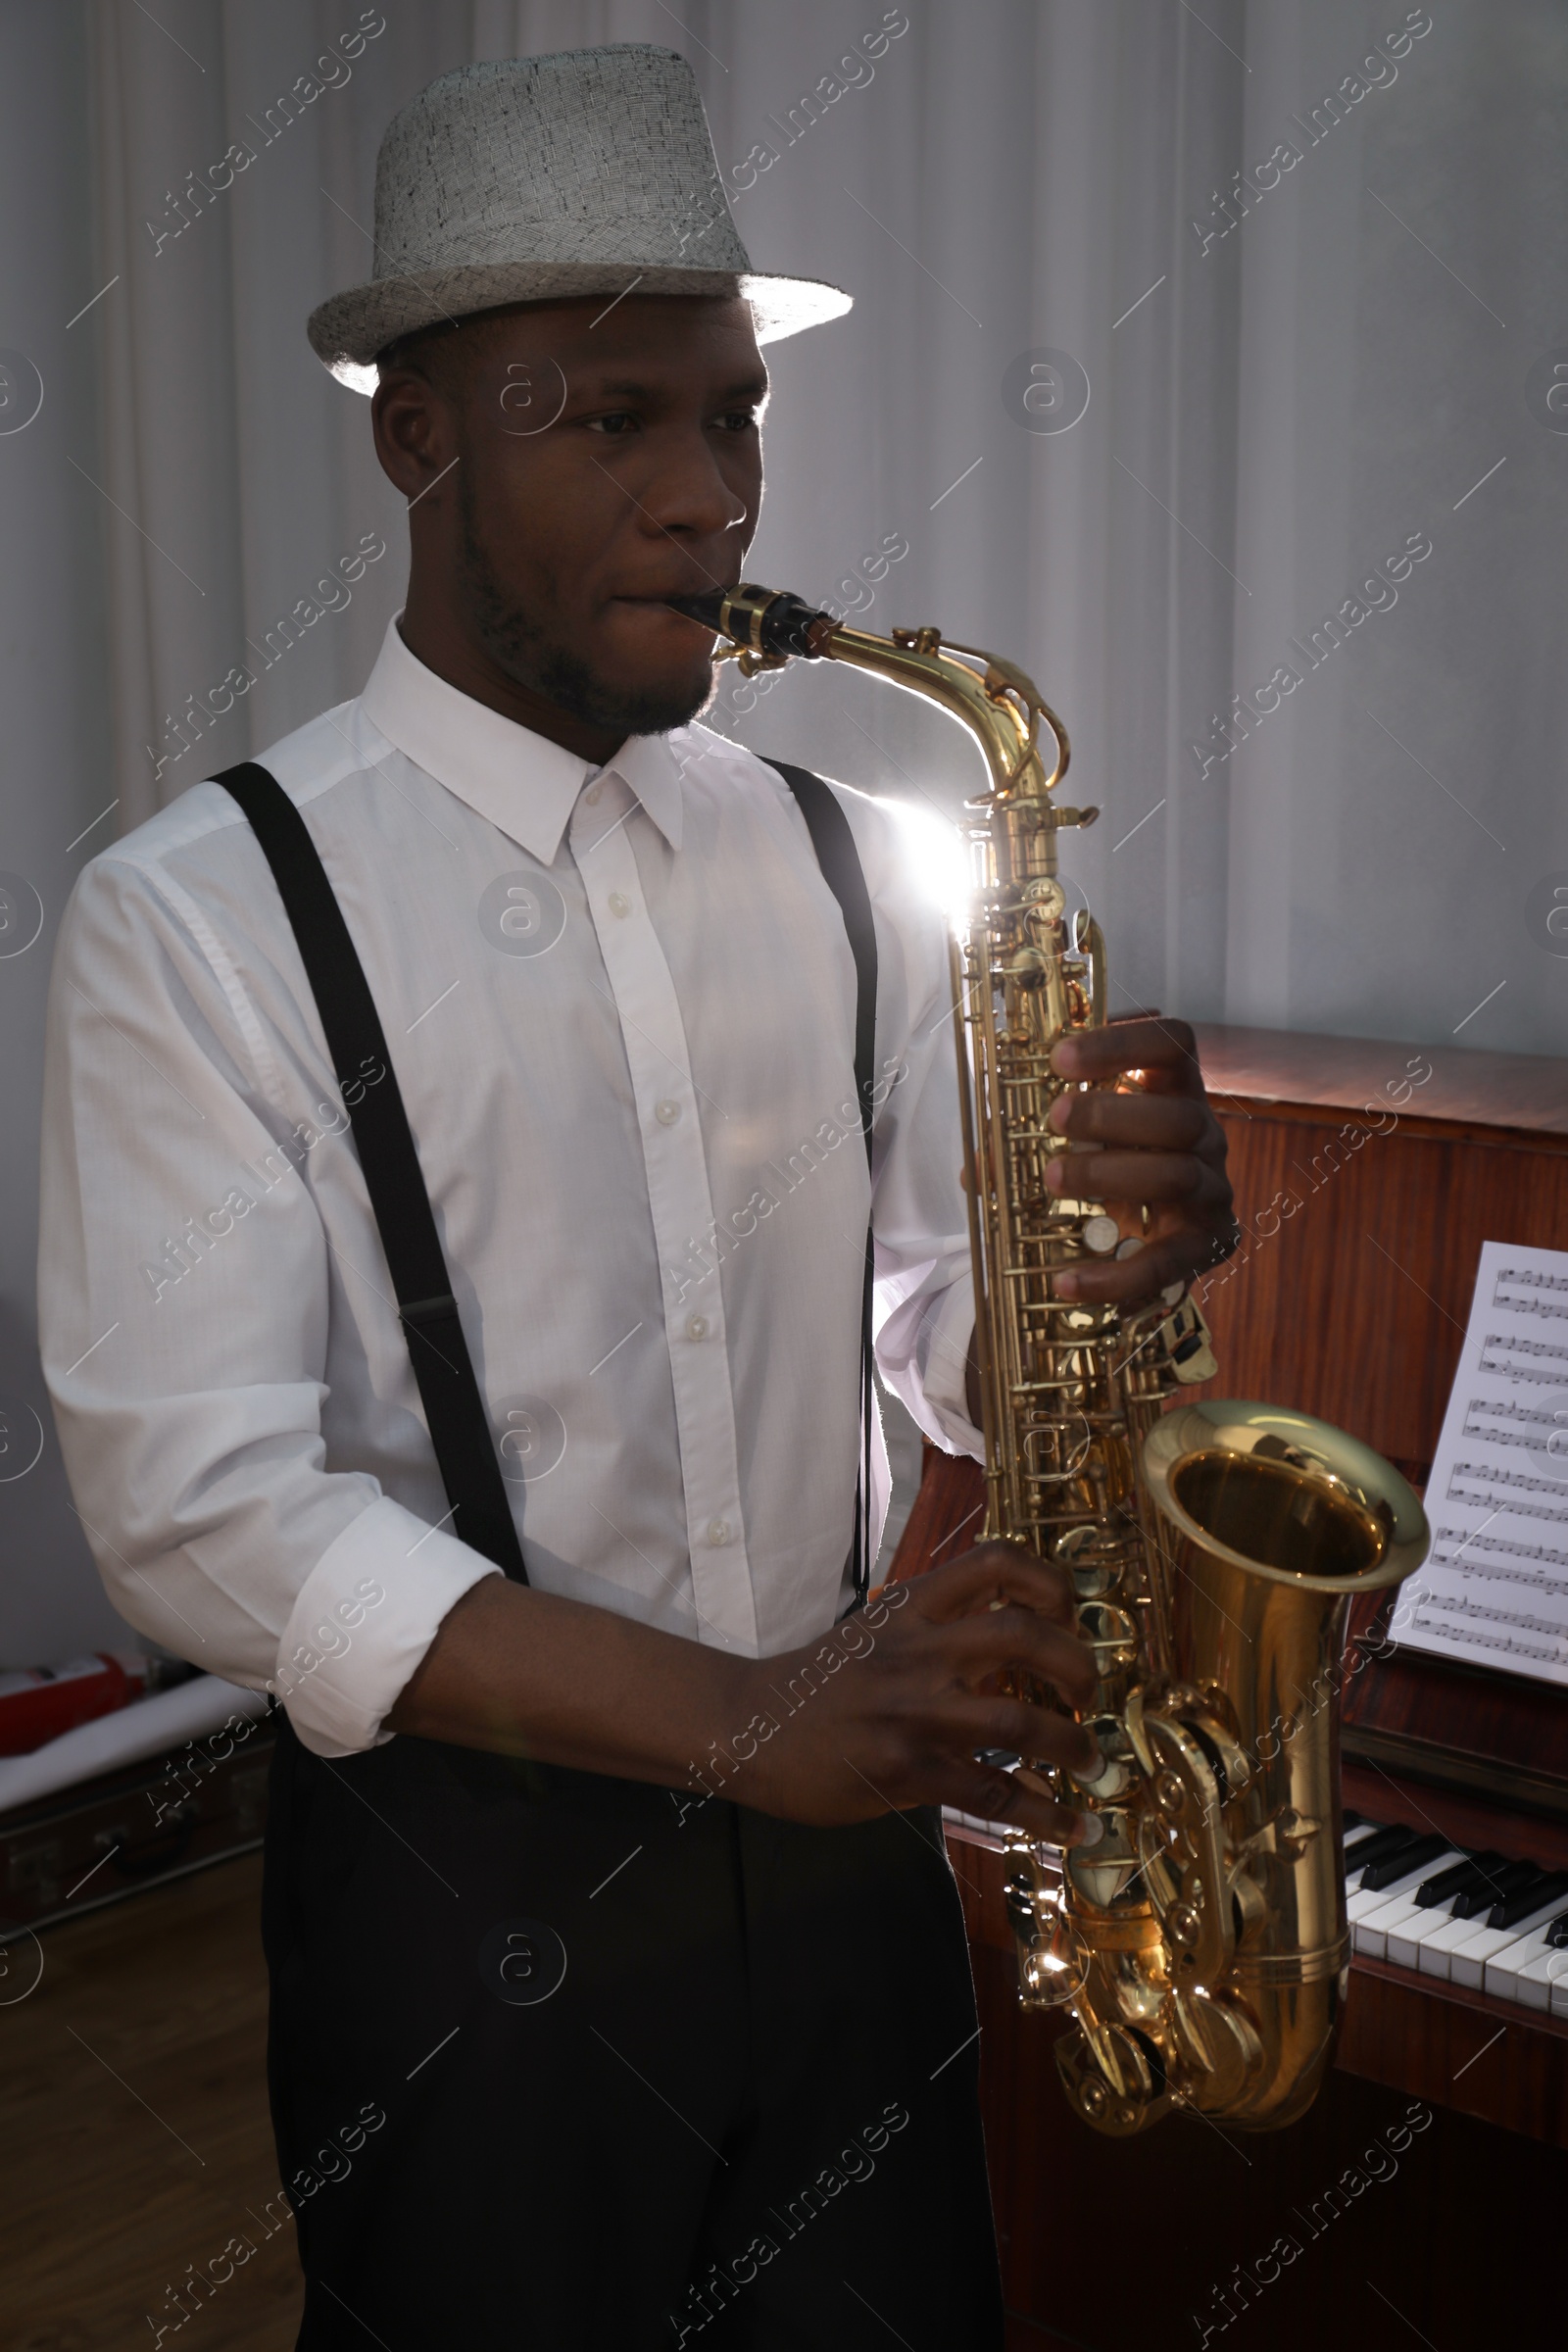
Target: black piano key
[[1395, 1867], [1502, 1884], [1558, 1934], [1477, 1869], [1353, 1820], [1380, 1847], [1537, 1892]]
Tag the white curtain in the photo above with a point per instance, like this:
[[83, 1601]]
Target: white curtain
[[1314, 302]]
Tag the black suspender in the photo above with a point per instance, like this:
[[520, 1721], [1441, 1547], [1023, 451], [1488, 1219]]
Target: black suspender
[[460, 1427], [840, 861], [454, 1409]]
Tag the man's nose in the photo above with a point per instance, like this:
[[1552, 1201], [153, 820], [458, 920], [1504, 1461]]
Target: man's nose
[[689, 494]]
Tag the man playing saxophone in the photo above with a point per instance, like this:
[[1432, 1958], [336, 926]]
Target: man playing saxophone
[[619, 1891]]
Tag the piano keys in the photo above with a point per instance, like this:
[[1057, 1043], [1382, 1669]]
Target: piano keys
[[1475, 1920]]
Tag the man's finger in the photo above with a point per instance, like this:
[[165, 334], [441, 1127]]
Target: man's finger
[[1122, 1282], [1145, 1177], [996, 1796], [1134, 1045], [995, 1640], [1176, 1122], [994, 1572], [1038, 1734]]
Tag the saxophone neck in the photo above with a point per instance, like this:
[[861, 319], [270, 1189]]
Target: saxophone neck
[[999, 705], [994, 700]]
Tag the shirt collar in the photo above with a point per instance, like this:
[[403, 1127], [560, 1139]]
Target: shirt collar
[[525, 785]]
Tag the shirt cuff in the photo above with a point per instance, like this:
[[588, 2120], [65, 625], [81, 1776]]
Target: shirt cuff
[[923, 1352], [944, 1359], [365, 1617]]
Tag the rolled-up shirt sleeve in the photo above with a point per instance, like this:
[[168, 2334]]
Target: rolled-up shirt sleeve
[[186, 1294]]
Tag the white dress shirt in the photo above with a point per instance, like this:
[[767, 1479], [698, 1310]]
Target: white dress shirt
[[619, 1005]]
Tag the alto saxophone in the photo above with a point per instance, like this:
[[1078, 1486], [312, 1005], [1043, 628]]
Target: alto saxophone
[[1200, 1941]]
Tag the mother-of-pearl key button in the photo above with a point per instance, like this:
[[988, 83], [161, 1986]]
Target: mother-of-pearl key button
[[719, 1530], [619, 904], [666, 1113]]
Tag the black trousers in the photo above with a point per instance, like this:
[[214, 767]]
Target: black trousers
[[561, 2063]]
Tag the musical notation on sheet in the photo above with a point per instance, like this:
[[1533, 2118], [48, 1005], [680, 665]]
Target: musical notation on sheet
[[1494, 1590]]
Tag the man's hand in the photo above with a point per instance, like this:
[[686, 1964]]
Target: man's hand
[[885, 1709], [889, 1708], [1158, 1146]]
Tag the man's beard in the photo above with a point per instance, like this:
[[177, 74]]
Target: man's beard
[[522, 646]]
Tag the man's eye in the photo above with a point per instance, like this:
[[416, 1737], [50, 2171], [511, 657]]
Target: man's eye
[[739, 420], [618, 422]]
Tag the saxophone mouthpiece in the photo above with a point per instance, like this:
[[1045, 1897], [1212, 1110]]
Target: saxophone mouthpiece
[[760, 620]]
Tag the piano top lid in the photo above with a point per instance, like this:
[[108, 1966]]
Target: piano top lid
[[1526, 1092]]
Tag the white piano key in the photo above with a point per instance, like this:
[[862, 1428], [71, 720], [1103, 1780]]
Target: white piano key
[[1395, 1908], [1468, 1961], [1536, 1978], [1504, 1975], [1436, 1949], [1406, 1937]]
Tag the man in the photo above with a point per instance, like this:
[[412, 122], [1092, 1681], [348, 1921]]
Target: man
[[619, 1991]]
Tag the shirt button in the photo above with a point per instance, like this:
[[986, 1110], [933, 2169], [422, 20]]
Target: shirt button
[[697, 1327], [666, 1113], [619, 904], [719, 1530], [593, 795]]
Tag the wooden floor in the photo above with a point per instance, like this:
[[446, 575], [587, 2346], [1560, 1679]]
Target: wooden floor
[[136, 2142]]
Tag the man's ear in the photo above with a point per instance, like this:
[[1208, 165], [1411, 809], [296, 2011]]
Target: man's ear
[[415, 428]]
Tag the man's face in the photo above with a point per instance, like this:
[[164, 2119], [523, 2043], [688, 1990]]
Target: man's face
[[607, 456]]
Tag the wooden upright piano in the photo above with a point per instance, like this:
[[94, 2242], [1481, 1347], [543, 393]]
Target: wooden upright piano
[[1419, 2200]]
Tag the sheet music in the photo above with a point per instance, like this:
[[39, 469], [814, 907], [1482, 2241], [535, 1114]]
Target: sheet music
[[1494, 1590]]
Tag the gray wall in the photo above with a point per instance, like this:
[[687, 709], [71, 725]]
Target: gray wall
[[56, 749]]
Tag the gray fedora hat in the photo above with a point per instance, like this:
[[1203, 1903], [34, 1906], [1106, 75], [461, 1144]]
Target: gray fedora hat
[[590, 171]]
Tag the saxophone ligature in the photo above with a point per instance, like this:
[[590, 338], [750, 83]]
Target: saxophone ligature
[[1198, 1937]]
